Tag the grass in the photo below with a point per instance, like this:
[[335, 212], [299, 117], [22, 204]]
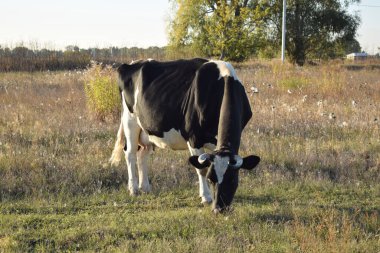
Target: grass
[[286, 217], [316, 189]]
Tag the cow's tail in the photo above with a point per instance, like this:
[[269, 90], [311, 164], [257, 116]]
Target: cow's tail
[[117, 152]]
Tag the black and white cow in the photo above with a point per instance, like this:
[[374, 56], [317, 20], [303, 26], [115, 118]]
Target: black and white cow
[[186, 104]]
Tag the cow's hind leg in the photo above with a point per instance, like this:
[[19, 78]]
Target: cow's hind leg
[[142, 162], [131, 131], [204, 190]]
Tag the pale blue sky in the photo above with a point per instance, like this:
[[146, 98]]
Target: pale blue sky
[[369, 31], [85, 23], [142, 23]]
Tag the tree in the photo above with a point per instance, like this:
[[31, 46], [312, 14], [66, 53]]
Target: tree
[[228, 29], [319, 28]]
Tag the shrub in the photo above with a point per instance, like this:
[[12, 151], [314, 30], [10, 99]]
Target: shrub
[[102, 92]]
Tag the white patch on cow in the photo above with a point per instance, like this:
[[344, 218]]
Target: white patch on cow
[[150, 59], [226, 69], [137, 91], [171, 139], [142, 162], [132, 133], [220, 166]]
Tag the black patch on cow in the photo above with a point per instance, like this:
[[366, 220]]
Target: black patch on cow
[[203, 106], [128, 76], [250, 162], [193, 160], [163, 91], [235, 114], [211, 175], [225, 192]]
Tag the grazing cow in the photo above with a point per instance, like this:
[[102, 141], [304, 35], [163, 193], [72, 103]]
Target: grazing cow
[[186, 104]]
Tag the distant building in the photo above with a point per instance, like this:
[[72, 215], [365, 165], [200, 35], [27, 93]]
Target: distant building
[[357, 56]]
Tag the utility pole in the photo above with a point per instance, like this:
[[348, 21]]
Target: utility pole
[[283, 30]]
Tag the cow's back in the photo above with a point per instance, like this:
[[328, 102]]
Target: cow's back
[[162, 91]]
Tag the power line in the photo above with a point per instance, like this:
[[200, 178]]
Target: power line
[[370, 6]]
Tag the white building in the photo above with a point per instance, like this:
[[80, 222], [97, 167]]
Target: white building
[[357, 56]]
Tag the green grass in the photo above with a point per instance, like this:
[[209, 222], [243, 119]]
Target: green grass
[[267, 217]]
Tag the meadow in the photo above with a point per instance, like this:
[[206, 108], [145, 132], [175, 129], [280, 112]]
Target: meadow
[[316, 128]]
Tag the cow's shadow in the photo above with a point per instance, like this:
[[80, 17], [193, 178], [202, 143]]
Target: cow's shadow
[[285, 214], [265, 200], [258, 200]]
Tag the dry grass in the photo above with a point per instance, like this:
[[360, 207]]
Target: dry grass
[[316, 121], [312, 122], [48, 140], [334, 231], [316, 190]]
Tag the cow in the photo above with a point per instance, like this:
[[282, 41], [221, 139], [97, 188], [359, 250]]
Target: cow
[[194, 104]]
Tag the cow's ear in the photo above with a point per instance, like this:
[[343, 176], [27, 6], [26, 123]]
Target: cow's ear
[[250, 162], [193, 160]]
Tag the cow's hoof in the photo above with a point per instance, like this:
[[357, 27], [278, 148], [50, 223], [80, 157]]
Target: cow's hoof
[[206, 201], [225, 210], [146, 189], [133, 192]]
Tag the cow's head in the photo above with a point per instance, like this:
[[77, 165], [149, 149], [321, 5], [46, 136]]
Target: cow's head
[[222, 171]]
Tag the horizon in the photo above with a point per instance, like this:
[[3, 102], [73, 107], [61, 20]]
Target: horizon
[[142, 24]]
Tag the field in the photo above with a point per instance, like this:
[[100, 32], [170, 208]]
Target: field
[[316, 128]]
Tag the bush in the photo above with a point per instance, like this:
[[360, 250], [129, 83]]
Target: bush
[[102, 92]]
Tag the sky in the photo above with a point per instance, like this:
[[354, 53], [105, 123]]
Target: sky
[[369, 30], [100, 23], [85, 23]]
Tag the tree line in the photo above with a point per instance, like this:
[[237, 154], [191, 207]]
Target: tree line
[[234, 30], [22, 58], [238, 29]]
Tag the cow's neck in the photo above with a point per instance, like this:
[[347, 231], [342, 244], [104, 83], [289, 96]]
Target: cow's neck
[[229, 128]]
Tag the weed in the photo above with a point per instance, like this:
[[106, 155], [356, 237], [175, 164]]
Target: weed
[[102, 92]]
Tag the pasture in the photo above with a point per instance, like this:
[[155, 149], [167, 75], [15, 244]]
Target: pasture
[[316, 128]]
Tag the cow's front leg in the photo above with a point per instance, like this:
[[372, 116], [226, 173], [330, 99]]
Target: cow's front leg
[[132, 131], [204, 190], [142, 165], [142, 161]]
